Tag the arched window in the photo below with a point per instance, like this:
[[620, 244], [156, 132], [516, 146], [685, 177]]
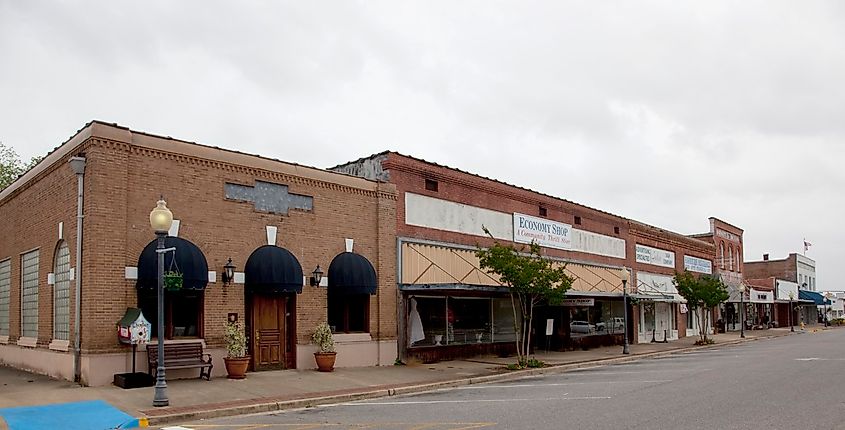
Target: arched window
[[352, 280], [738, 259], [183, 306], [730, 257], [61, 293], [722, 255]]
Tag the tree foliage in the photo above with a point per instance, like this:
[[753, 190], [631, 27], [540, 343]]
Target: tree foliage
[[703, 293], [11, 166], [531, 279]]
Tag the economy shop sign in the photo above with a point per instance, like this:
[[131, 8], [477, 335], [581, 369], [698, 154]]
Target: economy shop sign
[[546, 233]]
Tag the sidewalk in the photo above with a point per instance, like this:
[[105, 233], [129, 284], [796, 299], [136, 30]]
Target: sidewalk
[[286, 389]]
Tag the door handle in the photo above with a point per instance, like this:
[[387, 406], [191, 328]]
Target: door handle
[[257, 336]]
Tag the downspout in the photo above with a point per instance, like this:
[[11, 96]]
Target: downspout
[[78, 165], [400, 306]]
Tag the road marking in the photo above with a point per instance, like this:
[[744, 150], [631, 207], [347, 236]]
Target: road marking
[[307, 426], [558, 384], [475, 401], [637, 372]]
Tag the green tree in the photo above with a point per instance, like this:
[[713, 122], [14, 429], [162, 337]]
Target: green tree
[[11, 166], [531, 279], [703, 293]]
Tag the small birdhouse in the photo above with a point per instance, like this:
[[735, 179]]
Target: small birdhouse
[[133, 328]]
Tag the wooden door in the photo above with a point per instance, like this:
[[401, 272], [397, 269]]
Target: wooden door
[[268, 332]]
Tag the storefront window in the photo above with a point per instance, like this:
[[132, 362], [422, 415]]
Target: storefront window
[[469, 320], [349, 313], [437, 321], [504, 328], [182, 312], [604, 317]]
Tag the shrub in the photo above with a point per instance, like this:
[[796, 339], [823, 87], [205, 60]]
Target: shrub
[[235, 340], [322, 337], [534, 363]]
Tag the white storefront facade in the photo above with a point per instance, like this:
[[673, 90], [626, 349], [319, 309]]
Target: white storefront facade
[[657, 296]]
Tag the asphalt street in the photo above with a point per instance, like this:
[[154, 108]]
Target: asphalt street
[[784, 383]]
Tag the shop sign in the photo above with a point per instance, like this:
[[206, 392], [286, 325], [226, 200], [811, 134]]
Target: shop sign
[[726, 234], [544, 232], [700, 265], [579, 302], [654, 256]]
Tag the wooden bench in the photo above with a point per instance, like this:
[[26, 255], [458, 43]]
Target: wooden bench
[[181, 356]]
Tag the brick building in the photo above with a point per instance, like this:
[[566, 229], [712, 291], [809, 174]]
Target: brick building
[[449, 307], [658, 254], [277, 222], [728, 248], [794, 274]]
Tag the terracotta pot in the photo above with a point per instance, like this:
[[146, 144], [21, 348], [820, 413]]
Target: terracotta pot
[[236, 367], [325, 361]]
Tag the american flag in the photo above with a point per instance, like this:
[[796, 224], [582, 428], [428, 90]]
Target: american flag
[[807, 245]]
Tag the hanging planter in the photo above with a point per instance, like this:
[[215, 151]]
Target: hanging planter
[[173, 280]]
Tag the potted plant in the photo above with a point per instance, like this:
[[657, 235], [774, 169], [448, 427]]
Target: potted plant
[[172, 280], [236, 361], [325, 355]]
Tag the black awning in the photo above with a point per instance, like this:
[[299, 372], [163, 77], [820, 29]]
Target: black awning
[[270, 269], [189, 259], [350, 273]]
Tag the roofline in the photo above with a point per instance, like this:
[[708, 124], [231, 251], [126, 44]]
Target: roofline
[[54, 155], [370, 157], [495, 181], [680, 237], [113, 131], [389, 152], [726, 223]]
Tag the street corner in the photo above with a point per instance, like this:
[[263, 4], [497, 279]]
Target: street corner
[[87, 415]]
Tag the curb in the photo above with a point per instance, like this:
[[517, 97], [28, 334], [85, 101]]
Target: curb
[[134, 423], [418, 388]]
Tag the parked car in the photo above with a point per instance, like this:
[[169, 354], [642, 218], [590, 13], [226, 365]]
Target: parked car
[[581, 327], [617, 324]]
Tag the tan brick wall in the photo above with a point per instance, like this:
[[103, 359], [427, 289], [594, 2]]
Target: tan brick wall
[[31, 217], [123, 182]]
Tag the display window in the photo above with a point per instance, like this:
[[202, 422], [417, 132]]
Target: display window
[[447, 320], [604, 317]]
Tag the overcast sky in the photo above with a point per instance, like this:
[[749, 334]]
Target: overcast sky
[[664, 112]]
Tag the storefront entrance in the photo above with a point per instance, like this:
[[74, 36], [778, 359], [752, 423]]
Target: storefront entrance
[[273, 278], [269, 341]]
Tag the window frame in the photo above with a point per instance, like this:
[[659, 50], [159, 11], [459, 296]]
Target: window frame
[[24, 332], [348, 307], [6, 296], [61, 278], [151, 295]]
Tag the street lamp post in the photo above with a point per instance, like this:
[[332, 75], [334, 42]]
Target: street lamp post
[[625, 274], [742, 310], [160, 220], [791, 298]]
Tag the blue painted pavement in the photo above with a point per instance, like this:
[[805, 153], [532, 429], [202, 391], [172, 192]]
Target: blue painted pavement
[[89, 415]]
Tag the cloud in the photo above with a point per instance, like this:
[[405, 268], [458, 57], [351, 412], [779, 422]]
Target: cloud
[[666, 112]]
